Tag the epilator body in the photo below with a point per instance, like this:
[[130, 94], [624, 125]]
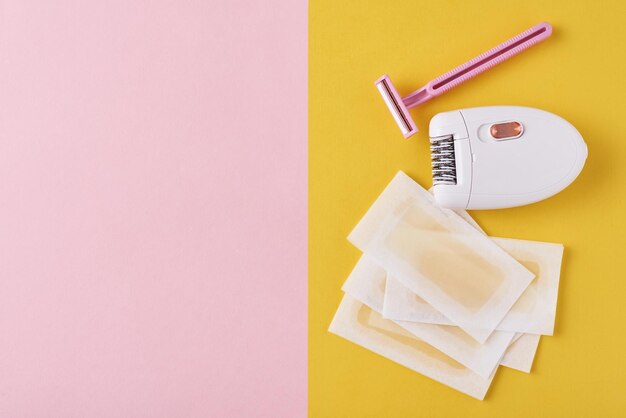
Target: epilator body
[[502, 156]]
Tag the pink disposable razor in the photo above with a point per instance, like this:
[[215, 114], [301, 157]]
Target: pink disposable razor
[[399, 106]]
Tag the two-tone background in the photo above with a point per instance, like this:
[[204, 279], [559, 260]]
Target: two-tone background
[[155, 176]]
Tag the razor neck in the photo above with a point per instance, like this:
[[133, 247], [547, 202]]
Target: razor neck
[[417, 97]]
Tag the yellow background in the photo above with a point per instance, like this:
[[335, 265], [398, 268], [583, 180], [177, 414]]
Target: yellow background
[[356, 148]]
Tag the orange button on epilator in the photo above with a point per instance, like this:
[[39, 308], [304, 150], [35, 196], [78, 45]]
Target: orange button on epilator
[[506, 130]]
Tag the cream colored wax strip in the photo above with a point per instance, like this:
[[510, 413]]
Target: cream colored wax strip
[[440, 257], [366, 283], [534, 312], [362, 325], [463, 214], [521, 353]]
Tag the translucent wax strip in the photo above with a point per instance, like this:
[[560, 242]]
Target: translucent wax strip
[[366, 283], [521, 353], [440, 257], [360, 324], [517, 336], [463, 214], [535, 310]]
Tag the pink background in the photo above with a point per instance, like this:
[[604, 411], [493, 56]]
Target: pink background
[[153, 208]]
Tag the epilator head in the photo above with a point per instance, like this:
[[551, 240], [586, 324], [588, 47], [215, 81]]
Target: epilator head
[[502, 156]]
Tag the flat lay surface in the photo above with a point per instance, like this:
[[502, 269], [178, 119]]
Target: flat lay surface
[[153, 221], [355, 148]]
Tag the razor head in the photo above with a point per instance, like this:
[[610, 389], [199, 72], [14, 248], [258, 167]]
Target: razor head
[[396, 106]]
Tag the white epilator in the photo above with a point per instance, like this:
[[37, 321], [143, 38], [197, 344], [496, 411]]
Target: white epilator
[[502, 156]]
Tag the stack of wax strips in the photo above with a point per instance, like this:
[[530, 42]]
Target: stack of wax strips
[[434, 293]]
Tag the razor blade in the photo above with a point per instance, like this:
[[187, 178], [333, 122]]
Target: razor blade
[[399, 106]]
